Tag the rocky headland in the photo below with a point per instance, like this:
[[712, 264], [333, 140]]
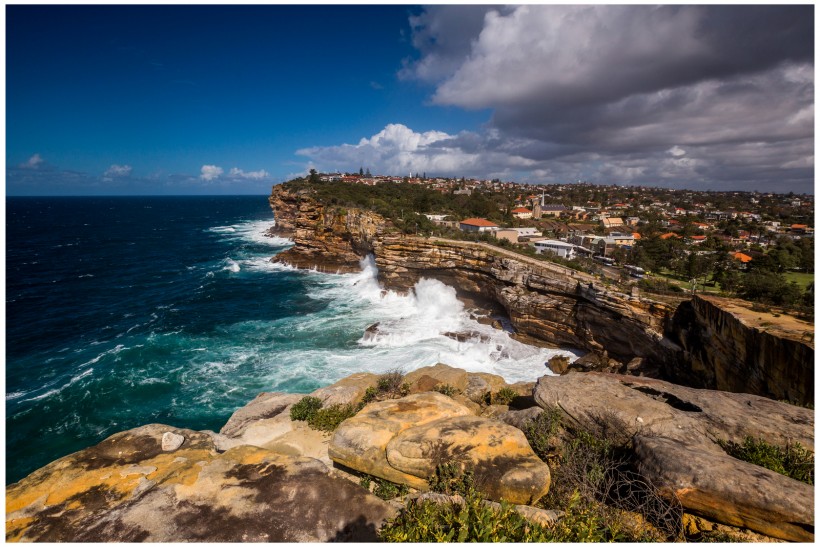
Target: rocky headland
[[701, 341], [665, 395]]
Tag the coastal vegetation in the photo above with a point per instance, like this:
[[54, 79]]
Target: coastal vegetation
[[793, 460]]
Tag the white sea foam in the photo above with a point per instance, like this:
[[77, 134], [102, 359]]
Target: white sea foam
[[426, 326], [255, 231], [231, 265]]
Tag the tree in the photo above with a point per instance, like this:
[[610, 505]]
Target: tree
[[361, 172], [314, 177]]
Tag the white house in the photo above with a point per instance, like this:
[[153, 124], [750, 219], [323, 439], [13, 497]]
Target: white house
[[560, 248], [529, 231]]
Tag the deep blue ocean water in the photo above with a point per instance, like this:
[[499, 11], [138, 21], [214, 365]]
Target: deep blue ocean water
[[127, 311]]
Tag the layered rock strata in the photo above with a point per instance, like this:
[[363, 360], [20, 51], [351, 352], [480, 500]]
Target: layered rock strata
[[544, 301], [734, 348], [705, 343]]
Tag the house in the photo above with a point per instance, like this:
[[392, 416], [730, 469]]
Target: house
[[612, 222], [560, 248], [521, 212], [477, 225], [800, 229], [744, 258], [698, 239], [552, 209], [667, 235], [529, 231]]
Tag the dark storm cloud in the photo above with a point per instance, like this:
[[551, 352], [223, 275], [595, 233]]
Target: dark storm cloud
[[718, 97], [608, 90]]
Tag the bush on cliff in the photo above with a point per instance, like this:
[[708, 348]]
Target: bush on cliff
[[593, 479], [305, 408], [473, 521], [310, 409], [794, 460]]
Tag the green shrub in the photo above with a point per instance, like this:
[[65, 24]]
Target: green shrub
[[364, 482], [390, 382], [305, 408], [370, 395], [450, 478], [794, 460], [328, 419], [427, 521], [446, 389], [504, 396], [541, 432], [387, 490]]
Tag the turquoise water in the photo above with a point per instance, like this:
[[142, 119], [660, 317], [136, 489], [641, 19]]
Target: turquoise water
[[126, 311]]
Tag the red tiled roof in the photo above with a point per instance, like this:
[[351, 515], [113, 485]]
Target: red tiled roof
[[667, 235], [742, 257], [479, 222], [521, 210], [699, 238], [636, 235]]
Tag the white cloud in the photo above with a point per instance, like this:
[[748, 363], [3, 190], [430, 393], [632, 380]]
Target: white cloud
[[118, 171], [253, 175], [33, 162], [665, 94], [210, 172]]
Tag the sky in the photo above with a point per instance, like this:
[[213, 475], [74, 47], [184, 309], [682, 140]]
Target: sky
[[143, 100]]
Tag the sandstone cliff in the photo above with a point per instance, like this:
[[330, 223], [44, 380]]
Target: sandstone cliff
[[705, 343], [544, 301], [733, 348]]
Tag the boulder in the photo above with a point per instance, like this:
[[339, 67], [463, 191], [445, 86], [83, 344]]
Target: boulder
[[403, 440], [348, 390], [360, 442], [264, 407], [558, 364], [674, 431], [171, 441], [440, 372], [504, 465], [127, 489]]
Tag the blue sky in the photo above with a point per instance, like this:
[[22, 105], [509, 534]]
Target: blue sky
[[219, 99]]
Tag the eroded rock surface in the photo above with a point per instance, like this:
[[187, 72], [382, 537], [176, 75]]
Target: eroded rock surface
[[127, 489], [403, 440], [674, 431]]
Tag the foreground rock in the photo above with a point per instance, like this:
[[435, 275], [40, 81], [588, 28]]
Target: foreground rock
[[128, 489], [674, 430], [403, 440]]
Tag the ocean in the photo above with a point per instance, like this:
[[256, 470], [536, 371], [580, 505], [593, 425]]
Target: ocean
[[123, 311]]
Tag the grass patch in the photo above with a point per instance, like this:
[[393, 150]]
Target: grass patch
[[793, 461], [802, 279]]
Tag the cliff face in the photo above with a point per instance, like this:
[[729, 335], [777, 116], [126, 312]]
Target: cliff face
[[544, 301], [705, 343], [327, 239], [732, 348]]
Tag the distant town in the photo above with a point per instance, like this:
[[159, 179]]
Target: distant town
[[756, 245]]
